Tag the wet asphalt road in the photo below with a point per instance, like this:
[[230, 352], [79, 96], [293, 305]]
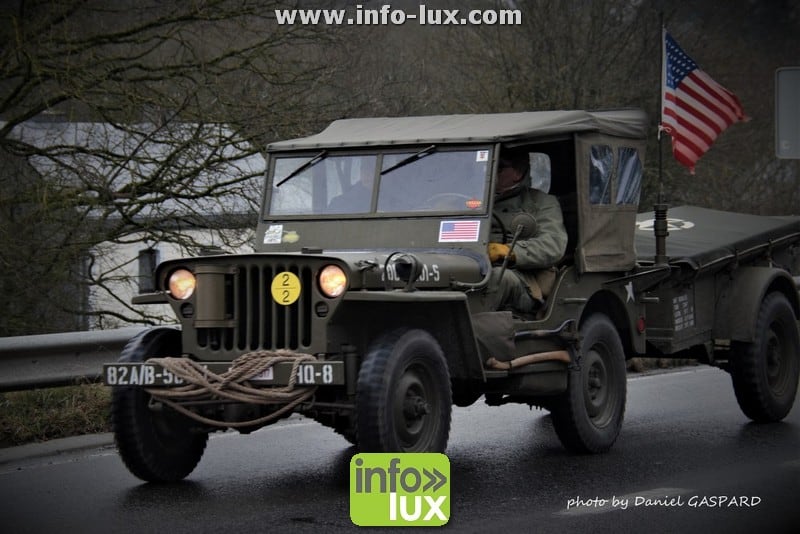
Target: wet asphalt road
[[684, 443]]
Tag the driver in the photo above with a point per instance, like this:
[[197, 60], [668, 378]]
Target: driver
[[358, 198], [539, 247]]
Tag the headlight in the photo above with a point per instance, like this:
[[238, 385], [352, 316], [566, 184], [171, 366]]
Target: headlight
[[332, 281], [181, 284]]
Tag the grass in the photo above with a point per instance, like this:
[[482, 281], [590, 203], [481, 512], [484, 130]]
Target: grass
[[44, 414]]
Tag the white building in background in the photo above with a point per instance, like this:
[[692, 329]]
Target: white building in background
[[121, 271], [216, 180]]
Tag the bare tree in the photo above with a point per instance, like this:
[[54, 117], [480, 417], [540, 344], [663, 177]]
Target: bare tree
[[128, 123], [133, 121], [740, 45], [564, 54], [581, 54]]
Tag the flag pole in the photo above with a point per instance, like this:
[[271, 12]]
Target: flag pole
[[661, 111], [660, 208]]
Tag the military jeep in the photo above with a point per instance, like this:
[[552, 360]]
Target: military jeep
[[364, 305]]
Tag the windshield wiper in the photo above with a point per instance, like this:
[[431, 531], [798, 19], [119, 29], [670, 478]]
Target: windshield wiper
[[313, 161], [410, 159]]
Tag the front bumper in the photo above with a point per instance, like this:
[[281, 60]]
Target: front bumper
[[144, 374]]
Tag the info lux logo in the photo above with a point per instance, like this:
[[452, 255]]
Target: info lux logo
[[399, 489]]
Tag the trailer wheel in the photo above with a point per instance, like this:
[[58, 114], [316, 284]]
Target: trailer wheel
[[155, 446], [403, 398], [588, 416], [765, 371]]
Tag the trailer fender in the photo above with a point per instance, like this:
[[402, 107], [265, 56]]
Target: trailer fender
[[738, 304]]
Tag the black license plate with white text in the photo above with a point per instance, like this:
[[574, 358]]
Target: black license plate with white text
[[320, 373]]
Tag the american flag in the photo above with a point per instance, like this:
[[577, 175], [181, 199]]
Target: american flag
[[696, 109], [464, 231]]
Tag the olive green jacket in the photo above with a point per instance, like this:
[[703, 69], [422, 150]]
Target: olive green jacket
[[546, 246]]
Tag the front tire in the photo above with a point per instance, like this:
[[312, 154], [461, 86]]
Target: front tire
[[404, 399], [765, 371], [588, 417], [155, 446]]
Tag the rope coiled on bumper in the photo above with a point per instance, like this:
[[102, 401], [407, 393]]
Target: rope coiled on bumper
[[202, 384]]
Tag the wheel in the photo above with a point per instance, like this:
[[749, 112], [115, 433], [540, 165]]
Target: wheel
[[588, 416], [765, 371], [403, 396], [155, 446]]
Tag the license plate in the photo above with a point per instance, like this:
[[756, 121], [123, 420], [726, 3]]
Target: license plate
[[317, 373], [138, 374], [147, 374]]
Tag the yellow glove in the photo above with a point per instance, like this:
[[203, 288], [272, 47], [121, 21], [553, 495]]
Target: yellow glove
[[498, 251]]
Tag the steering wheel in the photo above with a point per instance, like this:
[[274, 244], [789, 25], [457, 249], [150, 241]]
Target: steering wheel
[[448, 199]]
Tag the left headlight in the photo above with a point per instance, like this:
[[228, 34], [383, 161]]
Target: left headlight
[[332, 281], [182, 283]]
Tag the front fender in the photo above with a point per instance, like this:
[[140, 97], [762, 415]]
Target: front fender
[[444, 314]]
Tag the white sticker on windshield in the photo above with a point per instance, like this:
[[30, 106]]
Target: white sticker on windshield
[[273, 234], [481, 155]]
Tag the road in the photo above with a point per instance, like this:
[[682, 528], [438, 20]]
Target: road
[[684, 443]]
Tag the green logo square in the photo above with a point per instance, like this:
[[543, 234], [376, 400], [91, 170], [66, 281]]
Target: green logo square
[[400, 489]]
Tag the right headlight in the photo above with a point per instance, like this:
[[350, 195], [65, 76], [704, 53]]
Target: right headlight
[[332, 281], [182, 283]]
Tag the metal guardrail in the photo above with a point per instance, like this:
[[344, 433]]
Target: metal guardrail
[[51, 360]]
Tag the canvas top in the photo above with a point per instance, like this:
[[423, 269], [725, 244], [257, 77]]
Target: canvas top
[[474, 128]]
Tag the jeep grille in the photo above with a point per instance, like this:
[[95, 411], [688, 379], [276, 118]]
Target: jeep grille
[[259, 323]]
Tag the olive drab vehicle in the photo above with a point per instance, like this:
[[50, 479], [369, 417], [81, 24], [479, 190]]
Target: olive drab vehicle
[[364, 305]]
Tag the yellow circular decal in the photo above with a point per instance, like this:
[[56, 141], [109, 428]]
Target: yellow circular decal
[[286, 288]]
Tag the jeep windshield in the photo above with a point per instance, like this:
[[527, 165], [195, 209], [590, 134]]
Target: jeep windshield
[[433, 179]]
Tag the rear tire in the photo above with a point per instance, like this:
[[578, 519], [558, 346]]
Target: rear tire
[[588, 417], [404, 399], [155, 446], [765, 371]]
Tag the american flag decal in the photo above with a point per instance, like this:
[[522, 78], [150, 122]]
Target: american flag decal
[[459, 231]]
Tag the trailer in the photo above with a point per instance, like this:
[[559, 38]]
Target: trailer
[[731, 300], [365, 306]]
